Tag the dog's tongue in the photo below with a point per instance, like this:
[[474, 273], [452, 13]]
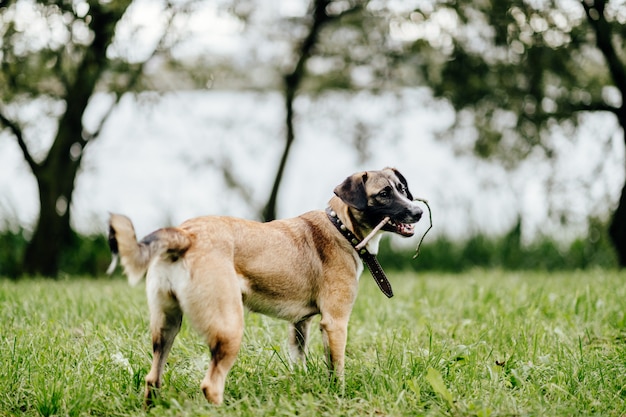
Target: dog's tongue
[[405, 229]]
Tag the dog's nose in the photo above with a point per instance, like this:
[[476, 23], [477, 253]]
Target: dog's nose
[[414, 213], [417, 213]]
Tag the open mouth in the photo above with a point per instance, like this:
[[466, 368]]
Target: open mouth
[[403, 229]]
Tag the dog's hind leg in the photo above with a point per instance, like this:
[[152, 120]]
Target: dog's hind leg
[[224, 349], [165, 321], [299, 339], [215, 308]]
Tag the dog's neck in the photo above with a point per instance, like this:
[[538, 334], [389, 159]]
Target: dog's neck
[[347, 217], [367, 254]]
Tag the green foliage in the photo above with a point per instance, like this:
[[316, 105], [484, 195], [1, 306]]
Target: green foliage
[[505, 252], [516, 68], [90, 255], [13, 245], [480, 344], [85, 255]]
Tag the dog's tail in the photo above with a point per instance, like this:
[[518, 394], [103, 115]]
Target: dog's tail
[[136, 256]]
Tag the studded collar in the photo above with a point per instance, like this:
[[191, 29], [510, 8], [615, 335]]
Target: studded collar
[[369, 259]]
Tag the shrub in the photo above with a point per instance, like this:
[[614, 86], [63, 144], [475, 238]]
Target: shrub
[[89, 255], [506, 252]]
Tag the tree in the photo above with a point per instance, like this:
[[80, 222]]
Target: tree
[[292, 81], [320, 16], [323, 19], [324, 23], [516, 69], [60, 72]]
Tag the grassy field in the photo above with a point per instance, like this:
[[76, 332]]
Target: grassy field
[[484, 343]]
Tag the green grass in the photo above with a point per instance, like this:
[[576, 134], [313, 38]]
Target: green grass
[[484, 343]]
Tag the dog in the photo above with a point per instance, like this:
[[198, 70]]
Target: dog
[[210, 268]]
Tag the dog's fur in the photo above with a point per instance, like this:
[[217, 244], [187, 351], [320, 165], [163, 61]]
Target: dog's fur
[[211, 267]]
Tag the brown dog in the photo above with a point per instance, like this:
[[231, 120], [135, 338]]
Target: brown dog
[[211, 267]]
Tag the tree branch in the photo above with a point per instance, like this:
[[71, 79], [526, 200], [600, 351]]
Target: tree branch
[[17, 132], [320, 19], [593, 107], [292, 82], [597, 20], [565, 111], [133, 80]]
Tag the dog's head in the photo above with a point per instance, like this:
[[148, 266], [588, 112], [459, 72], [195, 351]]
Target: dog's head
[[374, 195]]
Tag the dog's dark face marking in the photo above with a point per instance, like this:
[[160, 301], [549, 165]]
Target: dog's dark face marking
[[379, 194]]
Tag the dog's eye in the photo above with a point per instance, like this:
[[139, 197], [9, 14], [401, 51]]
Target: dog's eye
[[384, 193]]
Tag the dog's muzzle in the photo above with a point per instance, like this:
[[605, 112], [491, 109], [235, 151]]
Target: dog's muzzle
[[404, 224]]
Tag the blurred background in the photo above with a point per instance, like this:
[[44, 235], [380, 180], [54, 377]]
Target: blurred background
[[508, 117]]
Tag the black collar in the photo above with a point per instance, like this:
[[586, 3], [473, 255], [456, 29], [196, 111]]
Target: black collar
[[370, 260]]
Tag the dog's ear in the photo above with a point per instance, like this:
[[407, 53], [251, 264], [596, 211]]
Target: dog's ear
[[403, 181], [352, 191]]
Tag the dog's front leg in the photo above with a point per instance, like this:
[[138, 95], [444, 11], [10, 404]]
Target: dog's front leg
[[334, 337]]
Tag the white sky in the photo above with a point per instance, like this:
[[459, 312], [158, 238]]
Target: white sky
[[150, 162]]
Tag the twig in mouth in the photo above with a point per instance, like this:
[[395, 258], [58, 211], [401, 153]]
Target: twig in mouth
[[430, 219], [372, 233]]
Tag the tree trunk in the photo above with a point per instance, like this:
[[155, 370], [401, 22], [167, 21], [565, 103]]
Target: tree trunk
[[55, 178], [617, 229], [292, 83], [269, 212], [57, 173], [53, 232], [604, 41]]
